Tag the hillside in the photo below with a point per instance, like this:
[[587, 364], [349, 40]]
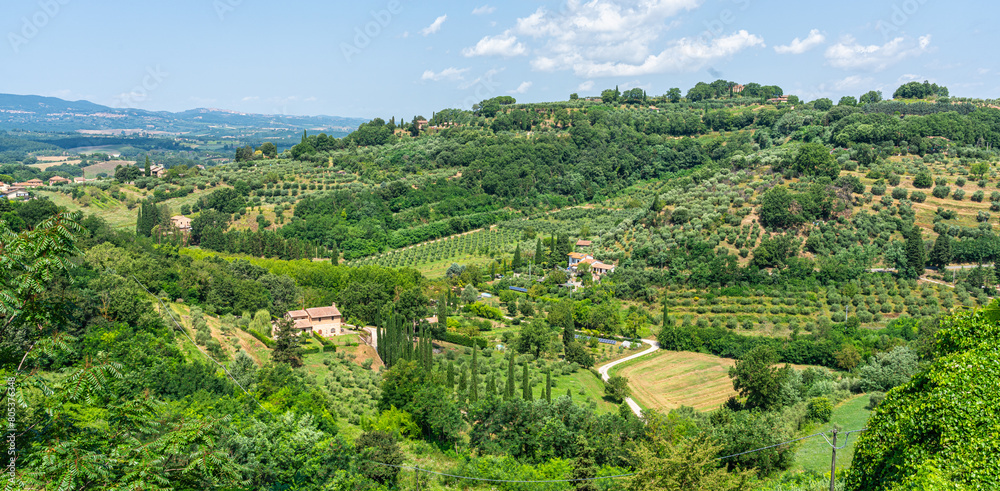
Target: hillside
[[744, 235]]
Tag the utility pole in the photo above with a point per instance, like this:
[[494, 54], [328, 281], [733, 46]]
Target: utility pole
[[833, 462]]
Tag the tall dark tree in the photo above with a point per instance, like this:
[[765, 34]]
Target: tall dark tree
[[474, 382], [491, 386], [548, 386], [915, 254], [148, 168], [508, 393], [940, 256], [516, 263], [525, 384], [450, 376], [539, 252]]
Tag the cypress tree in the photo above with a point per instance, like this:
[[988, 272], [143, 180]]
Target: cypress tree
[[915, 256], [463, 383], [569, 393], [442, 312], [508, 392], [525, 384], [474, 382], [516, 263], [450, 377], [940, 256], [148, 170], [548, 386], [491, 386], [539, 254]]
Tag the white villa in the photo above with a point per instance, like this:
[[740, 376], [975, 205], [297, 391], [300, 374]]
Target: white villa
[[596, 267], [325, 321]]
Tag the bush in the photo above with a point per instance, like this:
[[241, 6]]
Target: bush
[[960, 182], [941, 192], [918, 196], [874, 399], [820, 409], [888, 369], [978, 196], [923, 180], [959, 195], [899, 193]]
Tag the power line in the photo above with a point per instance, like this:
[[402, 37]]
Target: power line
[[768, 447], [483, 479]]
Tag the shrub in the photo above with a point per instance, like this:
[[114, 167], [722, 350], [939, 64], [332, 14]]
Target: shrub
[[918, 196], [959, 195], [820, 409], [923, 180], [874, 399], [960, 182], [899, 193], [978, 196], [941, 192]]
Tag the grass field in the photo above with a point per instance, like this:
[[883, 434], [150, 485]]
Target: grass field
[[667, 380], [814, 453]]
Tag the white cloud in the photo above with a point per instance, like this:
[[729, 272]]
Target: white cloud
[[435, 26], [799, 46], [505, 45], [682, 55], [484, 10], [848, 54], [521, 88], [585, 86], [250, 98], [852, 82], [450, 73], [605, 33]]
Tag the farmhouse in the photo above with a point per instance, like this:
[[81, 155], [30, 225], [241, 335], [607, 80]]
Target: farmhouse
[[79, 179], [738, 89], [3, 187], [325, 321], [182, 222], [33, 183], [584, 243], [157, 170], [16, 192], [54, 180]]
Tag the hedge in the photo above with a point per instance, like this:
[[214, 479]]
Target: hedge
[[264, 339], [462, 340]]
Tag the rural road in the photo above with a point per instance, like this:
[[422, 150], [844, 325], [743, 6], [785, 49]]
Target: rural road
[[653, 346]]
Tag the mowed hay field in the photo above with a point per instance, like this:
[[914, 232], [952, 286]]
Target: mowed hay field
[[667, 380]]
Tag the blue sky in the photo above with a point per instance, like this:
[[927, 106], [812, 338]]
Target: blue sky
[[402, 58]]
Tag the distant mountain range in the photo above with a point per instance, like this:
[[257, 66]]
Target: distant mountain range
[[37, 113]]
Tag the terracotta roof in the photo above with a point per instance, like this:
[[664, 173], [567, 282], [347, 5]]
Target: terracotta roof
[[298, 314], [584, 243], [577, 255], [323, 312], [600, 265], [303, 324]]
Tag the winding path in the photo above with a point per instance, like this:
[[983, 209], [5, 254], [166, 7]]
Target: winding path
[[653, 347]]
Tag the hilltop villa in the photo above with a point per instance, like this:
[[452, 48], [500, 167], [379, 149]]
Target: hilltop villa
[[325, 321]]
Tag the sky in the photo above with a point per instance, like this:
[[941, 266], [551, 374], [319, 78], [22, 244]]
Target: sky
[[404, 58]]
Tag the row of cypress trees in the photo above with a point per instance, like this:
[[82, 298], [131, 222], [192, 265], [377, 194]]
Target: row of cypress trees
[[471, 387]]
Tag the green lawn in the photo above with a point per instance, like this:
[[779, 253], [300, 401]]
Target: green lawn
[[814, 453]]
